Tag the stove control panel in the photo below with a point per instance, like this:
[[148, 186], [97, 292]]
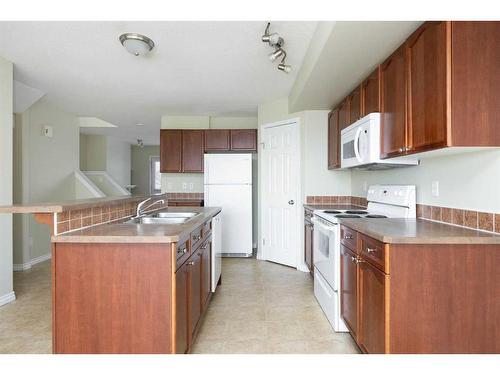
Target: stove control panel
[[398, 195]]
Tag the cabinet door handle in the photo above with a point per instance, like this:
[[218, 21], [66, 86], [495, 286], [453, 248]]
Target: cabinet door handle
[[348, 237], [190, 263], [182, 251], [204, 246], [369, 250], [196, 238], [353, 259]]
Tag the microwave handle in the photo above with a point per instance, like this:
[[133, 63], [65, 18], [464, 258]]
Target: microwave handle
[[356, 144]]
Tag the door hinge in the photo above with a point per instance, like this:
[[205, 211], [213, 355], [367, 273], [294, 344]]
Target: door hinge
[[263, 242]]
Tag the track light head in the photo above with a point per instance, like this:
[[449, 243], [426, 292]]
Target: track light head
[[285, 68], [277, 54]]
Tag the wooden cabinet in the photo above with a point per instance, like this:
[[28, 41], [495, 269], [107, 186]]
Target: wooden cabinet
[[344, 114], [370, 93], [217, 140], [195, 271], [355, 106], [192, 151], [349, 289], [206, 266], [333, 140], [427, 80], [393, 108], [372, 296], [308, 241], [170, 151], [243, 140], [181, 309]]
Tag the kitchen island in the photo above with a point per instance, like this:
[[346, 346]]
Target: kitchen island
[[132, 288]]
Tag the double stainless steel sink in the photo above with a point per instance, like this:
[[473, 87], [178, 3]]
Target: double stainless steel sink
[[164, 218]]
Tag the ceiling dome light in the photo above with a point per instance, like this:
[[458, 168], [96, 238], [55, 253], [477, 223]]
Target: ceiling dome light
[[276, 54], [136, 44]]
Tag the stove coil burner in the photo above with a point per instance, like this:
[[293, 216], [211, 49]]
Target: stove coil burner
[[347, 216], [356, 212], [373, 216], [332, 212]]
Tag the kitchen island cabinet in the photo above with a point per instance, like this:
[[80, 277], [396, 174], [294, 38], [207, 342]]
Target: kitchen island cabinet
[[131, 288], [420, 287]]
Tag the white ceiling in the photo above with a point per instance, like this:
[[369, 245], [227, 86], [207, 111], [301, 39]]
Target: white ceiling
[[196, 68]]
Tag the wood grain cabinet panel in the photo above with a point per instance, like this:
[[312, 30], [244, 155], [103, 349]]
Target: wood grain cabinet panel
[[355, 106], [195, 274], [349, 290], [217, 140], [333, 140], [370, 93], [206, 251], [475, 83], [344, 114], [170, 151], [393, 108], [192, 151], [428, 73], [244, 140], [372, 328], [181, 309]]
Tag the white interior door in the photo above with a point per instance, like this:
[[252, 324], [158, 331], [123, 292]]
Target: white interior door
[[281, 182]]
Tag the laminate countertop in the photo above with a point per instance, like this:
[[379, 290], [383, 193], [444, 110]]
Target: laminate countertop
[[419, 231], [122, 232]]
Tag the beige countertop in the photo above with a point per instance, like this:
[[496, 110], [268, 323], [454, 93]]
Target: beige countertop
[[419, 231], [337, 206], [140, 233], [56, 207]]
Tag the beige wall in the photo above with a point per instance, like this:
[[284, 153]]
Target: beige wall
[[141, 167], [93, 156], [6, 178], [46, 166]]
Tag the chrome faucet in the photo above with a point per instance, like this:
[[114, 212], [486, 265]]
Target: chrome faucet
[[141, 208]]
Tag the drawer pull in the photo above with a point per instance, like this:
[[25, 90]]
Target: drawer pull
[[190, 263], [196, 238], [205, 246], [353, 259], [369, 250], [182, 251], [356, 260], [348, 237]]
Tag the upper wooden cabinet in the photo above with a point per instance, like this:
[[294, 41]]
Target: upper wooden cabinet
[[355, 105], [344, 114], [333, 140], [370, 93], [427, 77], [170, 151], [217, 140], [192, 151], [393, 108], [243, 140]]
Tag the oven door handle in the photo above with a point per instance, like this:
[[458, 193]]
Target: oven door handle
[[323, 226]]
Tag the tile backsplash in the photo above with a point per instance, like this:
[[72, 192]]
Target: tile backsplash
[[336, 199]]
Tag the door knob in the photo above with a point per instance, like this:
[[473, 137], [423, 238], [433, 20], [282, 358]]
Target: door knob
[[291, 202]]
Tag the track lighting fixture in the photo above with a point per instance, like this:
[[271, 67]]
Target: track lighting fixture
[[140, 143], [275, 41]]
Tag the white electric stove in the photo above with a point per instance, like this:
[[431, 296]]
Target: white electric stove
[[384, 201]]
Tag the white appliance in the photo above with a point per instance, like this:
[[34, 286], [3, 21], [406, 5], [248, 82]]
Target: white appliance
[[384, 201], [216, 250], [228, 184], [360, 146]]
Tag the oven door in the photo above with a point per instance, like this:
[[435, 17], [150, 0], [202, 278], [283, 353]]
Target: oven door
[[325, 248]]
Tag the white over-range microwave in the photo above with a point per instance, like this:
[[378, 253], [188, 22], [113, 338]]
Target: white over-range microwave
[[360, 146]]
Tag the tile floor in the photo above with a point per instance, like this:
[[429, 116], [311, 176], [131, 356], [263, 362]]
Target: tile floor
[[260, 307]]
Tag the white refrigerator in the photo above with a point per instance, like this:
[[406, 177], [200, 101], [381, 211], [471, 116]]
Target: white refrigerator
[[228, 184]]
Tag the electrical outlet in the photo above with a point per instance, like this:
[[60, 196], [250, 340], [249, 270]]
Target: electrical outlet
[[435, 188], [184, 185], [191, 186], [47, 131]]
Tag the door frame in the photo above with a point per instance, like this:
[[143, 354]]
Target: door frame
[[151, 174], [261, 254]]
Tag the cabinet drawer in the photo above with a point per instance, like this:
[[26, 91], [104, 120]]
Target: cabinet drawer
[[373, 251], [196, 237], [349, 238], [182, 252], [206, 228]]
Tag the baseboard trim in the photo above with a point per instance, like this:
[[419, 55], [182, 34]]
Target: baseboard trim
[[32, 262], [7, 298]]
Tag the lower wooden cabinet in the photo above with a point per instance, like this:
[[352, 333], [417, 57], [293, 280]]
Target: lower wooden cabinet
[[371, 328], [181, 309], [195, 290], [206, 266], [349, 289]]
